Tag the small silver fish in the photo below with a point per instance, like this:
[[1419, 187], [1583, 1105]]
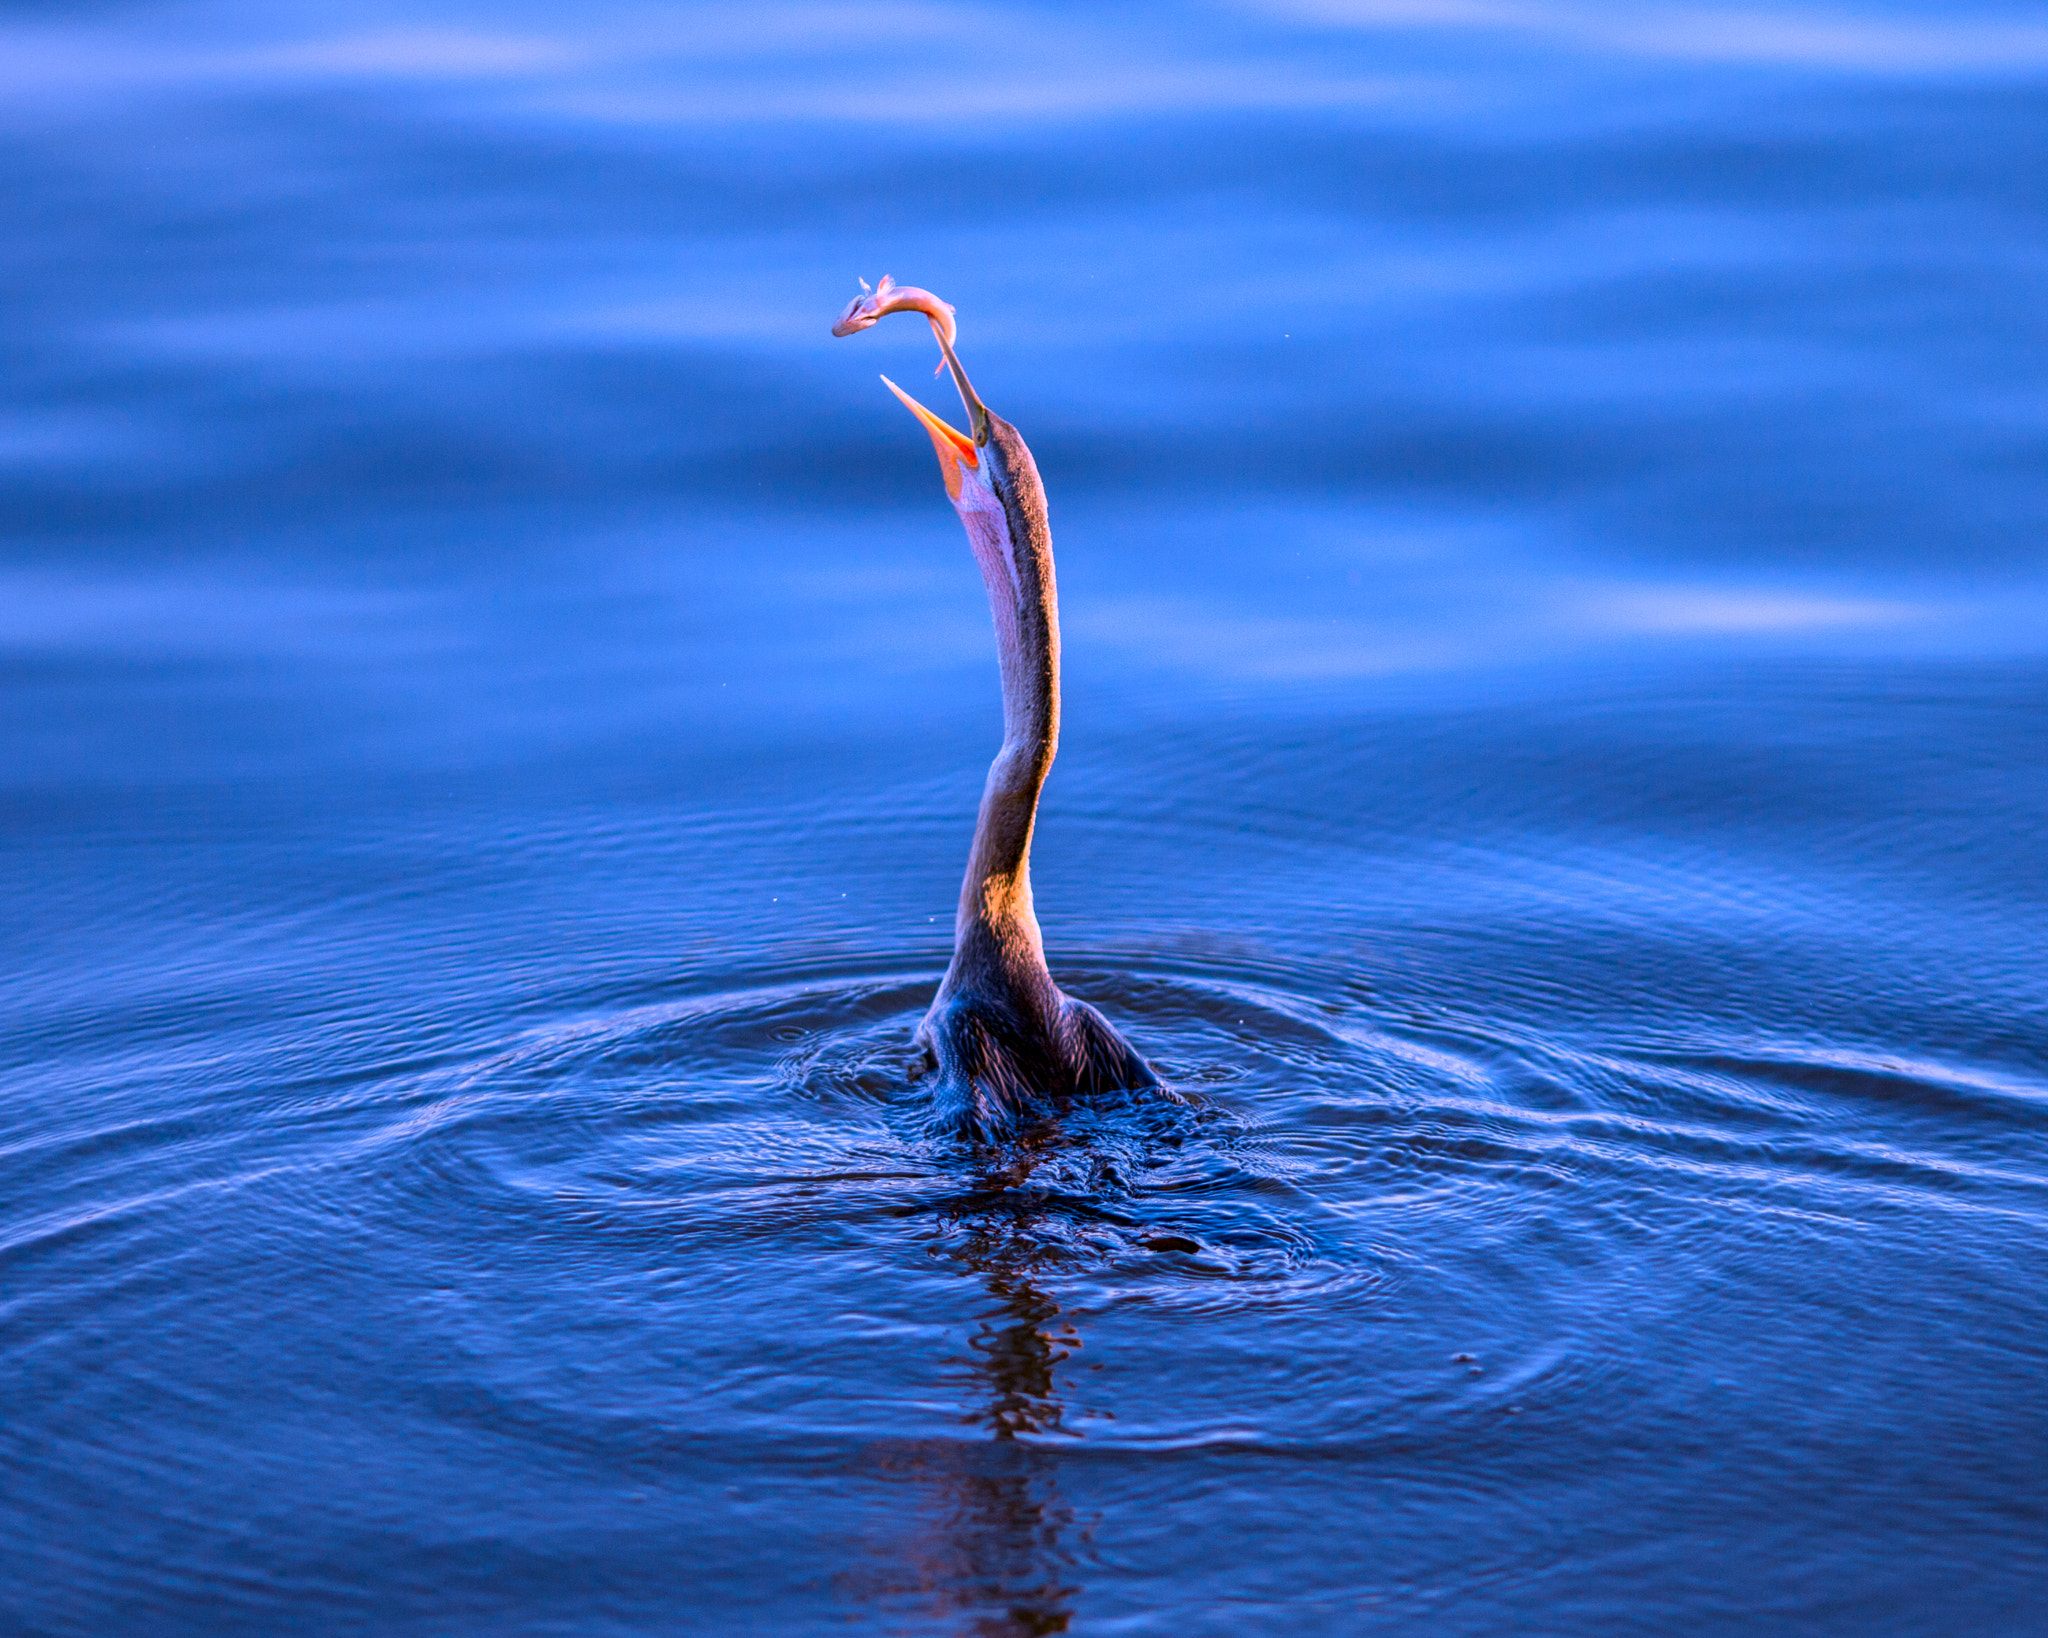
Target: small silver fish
[[891, 297]]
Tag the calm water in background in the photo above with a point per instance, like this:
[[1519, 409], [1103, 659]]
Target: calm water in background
[[1549, 504]]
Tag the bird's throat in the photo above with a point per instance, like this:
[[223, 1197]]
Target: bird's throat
[[1014, 551]]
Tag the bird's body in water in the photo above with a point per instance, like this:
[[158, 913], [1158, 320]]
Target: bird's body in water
[[1001, 1039]]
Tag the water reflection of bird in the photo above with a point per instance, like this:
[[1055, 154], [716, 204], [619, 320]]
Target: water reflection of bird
[[986, 1539], [1000, 1034], [1004, 1552]]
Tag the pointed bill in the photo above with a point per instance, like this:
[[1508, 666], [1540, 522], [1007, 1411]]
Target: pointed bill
[[955, 449]]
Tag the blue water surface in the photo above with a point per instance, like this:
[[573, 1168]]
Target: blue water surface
[[1549, 503]]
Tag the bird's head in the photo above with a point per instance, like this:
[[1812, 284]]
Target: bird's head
[[971, 462], [961, 461], [993, 484]]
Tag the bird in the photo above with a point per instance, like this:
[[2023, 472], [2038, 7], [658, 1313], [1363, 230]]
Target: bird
[[1004, 1044]]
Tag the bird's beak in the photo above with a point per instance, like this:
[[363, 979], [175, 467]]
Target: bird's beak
[[970, 400], [956, 450]]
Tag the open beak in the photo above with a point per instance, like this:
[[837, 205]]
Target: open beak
[[956, 450], [977, 411]]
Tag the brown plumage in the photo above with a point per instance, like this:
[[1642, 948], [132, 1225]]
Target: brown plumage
[[1002, 1038]]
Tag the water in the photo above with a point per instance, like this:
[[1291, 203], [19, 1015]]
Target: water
[[1548, 502]]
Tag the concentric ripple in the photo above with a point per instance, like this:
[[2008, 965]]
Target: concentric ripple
[[1517, 1205], [715, 1229], [795, 1103]]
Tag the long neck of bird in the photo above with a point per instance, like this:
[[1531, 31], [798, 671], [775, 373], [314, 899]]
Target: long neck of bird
[[1013, 546]]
